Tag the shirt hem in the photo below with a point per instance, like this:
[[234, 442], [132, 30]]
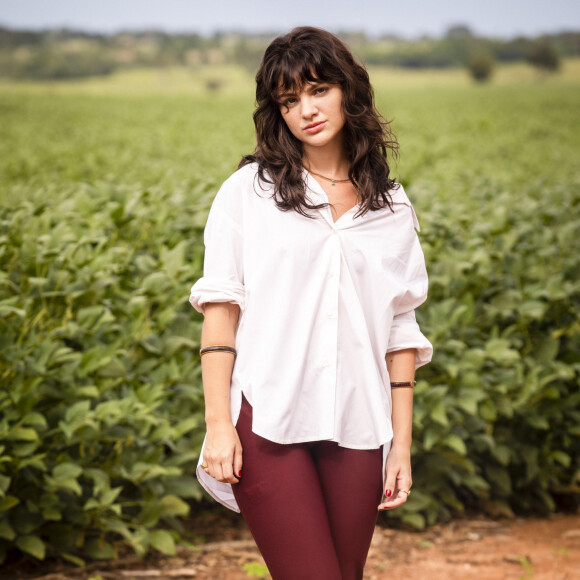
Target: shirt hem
[[315, 438]]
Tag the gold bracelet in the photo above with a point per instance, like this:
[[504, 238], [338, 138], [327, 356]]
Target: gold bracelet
[[217, 348], [403, 384]]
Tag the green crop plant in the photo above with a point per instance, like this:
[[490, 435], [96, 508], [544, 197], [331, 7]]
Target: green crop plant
[[103, 200]]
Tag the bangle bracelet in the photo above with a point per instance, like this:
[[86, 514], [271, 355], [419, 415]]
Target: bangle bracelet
[[217, 348], [404, 384]]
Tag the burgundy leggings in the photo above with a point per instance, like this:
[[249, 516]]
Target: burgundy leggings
[[311, 507]]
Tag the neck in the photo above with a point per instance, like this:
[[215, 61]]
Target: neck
[[329, 161]]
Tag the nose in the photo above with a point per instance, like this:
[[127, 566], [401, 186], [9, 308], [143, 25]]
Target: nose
[[308, 106]]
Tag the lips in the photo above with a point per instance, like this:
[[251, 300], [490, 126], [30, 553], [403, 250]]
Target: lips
[[314, 127]]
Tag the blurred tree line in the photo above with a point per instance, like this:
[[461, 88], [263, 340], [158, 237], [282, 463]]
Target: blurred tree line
[[66, 53]]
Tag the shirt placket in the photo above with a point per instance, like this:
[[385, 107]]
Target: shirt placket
[[330, 308], [331, 316]]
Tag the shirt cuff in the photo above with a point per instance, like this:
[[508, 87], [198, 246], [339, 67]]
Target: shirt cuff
[[405, 333], [211, 290]]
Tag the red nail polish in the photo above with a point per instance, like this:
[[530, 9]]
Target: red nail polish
[[240, 473], [388, 493]]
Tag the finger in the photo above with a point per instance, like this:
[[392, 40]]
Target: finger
[[394, 501], [390, 504], [390, 483], [404, 482], [238, 463], [397, 498], [227, 470], [211, 469], [219, 473]]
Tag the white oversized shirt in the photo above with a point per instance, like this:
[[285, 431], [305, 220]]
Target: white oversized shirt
[[321, 303]]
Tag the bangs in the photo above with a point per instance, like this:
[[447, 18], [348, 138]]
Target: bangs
[[293, 70]]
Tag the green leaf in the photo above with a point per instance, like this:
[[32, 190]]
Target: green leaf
[[173, 343], [6, 531], [113, 369], [561, 457], [439, 414], [8, 502], [23, 434], [25, 449], [502, 453], [499, 350], [156, 283], [141, 541], [98, 549], [547, 349], [74, 559], [163, 541], [78, 412], [111, 495], [32, 545], [51, 514], [188, 424], [184, 486], [119, 528], [533, 309], [173, 259], [414, 519], [456, 443], [4, 484], [35, 419], [100, 478], [255, 570], [173, 506], [66, 470], [64, 476], [430, 438]]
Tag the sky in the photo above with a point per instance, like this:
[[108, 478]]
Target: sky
[[406, 18]]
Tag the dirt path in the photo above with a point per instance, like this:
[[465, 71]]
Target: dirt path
[[482, 549]]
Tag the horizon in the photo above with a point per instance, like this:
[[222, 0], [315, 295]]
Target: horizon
[[273, 32], [412, 20]]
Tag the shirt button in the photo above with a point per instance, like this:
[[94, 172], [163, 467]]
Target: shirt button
[[330, 315]]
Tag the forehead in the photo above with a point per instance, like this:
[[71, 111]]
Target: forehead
[[294, 76]]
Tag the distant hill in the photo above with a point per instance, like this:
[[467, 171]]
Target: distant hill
[[66, 53]]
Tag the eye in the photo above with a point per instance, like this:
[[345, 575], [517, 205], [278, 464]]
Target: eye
[[287, 102], [320, 90]]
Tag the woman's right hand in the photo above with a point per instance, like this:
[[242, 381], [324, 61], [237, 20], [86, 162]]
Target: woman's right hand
[[223, 452]]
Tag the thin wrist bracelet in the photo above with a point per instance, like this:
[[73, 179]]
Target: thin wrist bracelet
[[403, 384], [217, 348]]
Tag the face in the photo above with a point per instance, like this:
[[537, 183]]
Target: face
[[314, 115]]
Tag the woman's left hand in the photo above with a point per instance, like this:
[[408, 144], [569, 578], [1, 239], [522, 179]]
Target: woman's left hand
[[398, 478]]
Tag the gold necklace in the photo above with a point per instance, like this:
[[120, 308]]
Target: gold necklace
[[333, 181]]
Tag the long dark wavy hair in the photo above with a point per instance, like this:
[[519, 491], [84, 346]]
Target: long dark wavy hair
[[308, 55]]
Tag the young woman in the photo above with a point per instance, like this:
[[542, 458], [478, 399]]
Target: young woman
[[312, 272]]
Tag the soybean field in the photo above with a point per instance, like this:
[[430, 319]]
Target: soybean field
[[105, 186]]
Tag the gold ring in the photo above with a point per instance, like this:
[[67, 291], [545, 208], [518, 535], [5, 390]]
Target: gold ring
[[407, 491], [204, 467]]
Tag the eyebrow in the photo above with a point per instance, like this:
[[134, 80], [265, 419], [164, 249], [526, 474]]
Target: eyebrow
[[310, 86]]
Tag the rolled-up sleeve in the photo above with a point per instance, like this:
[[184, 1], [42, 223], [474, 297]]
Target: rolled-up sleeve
[[223, 272], [405, 331]]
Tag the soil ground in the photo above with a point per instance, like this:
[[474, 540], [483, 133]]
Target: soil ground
[[482, 549]]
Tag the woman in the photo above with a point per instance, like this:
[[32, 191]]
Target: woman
[[312, 273]]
